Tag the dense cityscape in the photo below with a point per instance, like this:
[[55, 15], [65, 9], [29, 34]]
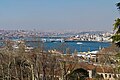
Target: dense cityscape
[[101, 36]]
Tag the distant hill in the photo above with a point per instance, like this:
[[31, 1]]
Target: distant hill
[[81, 33]]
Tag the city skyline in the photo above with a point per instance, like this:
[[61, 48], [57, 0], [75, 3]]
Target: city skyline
[[58, 15]]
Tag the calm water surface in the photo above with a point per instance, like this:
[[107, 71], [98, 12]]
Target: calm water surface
[[80, 46]]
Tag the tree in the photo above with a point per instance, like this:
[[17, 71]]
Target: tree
[[118, 6], [116, 36], [78, 74]]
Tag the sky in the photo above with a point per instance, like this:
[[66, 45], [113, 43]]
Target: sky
[[58, 15]]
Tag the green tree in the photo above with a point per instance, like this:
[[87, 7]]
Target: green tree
[[118, 6], [116, 36]]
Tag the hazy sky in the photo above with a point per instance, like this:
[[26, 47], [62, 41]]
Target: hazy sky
[[58, 15]]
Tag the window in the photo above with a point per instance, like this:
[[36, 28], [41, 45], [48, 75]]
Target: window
[[109, 75], [105, 75], [119, 76], [101, 76]]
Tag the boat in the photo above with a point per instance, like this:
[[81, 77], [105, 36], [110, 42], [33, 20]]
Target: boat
[[79, 43]]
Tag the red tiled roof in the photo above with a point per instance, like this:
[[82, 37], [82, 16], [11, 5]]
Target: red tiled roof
[[104, 69], [86, 66]]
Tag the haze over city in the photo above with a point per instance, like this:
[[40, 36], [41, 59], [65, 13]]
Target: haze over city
[[58, 15]]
